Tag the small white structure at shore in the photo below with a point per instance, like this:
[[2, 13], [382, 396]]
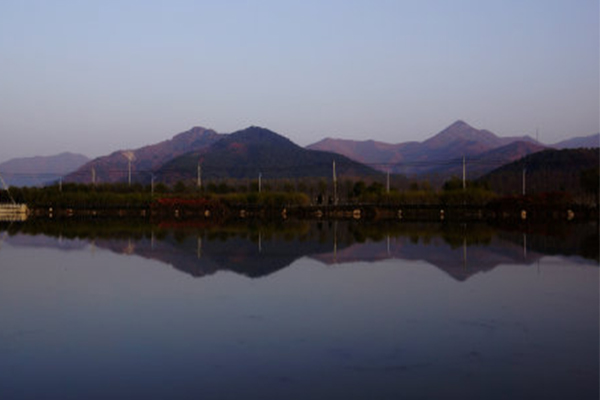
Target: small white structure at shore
[[13, 212]]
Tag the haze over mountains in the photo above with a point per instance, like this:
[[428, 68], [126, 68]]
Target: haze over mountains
[[251, 151], [37, 171], [590, 141]]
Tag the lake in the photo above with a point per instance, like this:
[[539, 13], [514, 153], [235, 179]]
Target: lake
[[298, 310]]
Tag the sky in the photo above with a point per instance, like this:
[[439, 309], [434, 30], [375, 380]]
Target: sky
[[93, 77]]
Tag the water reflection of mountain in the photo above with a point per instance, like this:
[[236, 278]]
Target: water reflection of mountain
[[460, 251], [43, 241], [199, 255], [577, 240], [458, 262]]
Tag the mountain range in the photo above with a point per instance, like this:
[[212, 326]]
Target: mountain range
[[591, 141], [442, 154], [253, 151], [144, 160], [239, 155], [37, 171]]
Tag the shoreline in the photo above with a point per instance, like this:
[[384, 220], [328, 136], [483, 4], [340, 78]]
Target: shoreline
[[425, 213]]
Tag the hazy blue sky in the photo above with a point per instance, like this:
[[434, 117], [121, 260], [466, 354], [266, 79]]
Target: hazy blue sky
[[97, 76]]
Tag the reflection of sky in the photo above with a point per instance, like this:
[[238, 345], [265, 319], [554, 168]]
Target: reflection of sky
[[98, 324]]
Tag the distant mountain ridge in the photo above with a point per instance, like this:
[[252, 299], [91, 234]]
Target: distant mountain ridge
[[40, 170], [462, 132], [115, 167], [590, 141], [254, 150], [480, 164], [433, 155]]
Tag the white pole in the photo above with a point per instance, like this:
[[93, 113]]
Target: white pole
[[334, 185], [387, 183], [7, 191], [464, 174], [199, 183], [152, 186]]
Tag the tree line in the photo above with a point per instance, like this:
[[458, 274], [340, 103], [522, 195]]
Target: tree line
[[306, 191]]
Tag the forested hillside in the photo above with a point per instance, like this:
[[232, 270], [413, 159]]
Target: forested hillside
[[574, 171]]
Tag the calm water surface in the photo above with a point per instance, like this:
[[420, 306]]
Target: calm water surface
[[298, 311]]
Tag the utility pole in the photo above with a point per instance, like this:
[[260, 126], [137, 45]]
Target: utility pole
[[60, 184], [524, 171], [152, 185], [7, 191], [93, 175], [259, 182], [199, 182], [387, 183], [334, 185], [464, 174], [130, 157]]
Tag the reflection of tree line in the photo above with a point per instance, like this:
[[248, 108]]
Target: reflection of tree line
[[453, 234], [554, 238], [80, 229], [348, 232]]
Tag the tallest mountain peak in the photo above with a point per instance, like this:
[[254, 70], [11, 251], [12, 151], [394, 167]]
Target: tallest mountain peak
[[460, 131], [459, 124]]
